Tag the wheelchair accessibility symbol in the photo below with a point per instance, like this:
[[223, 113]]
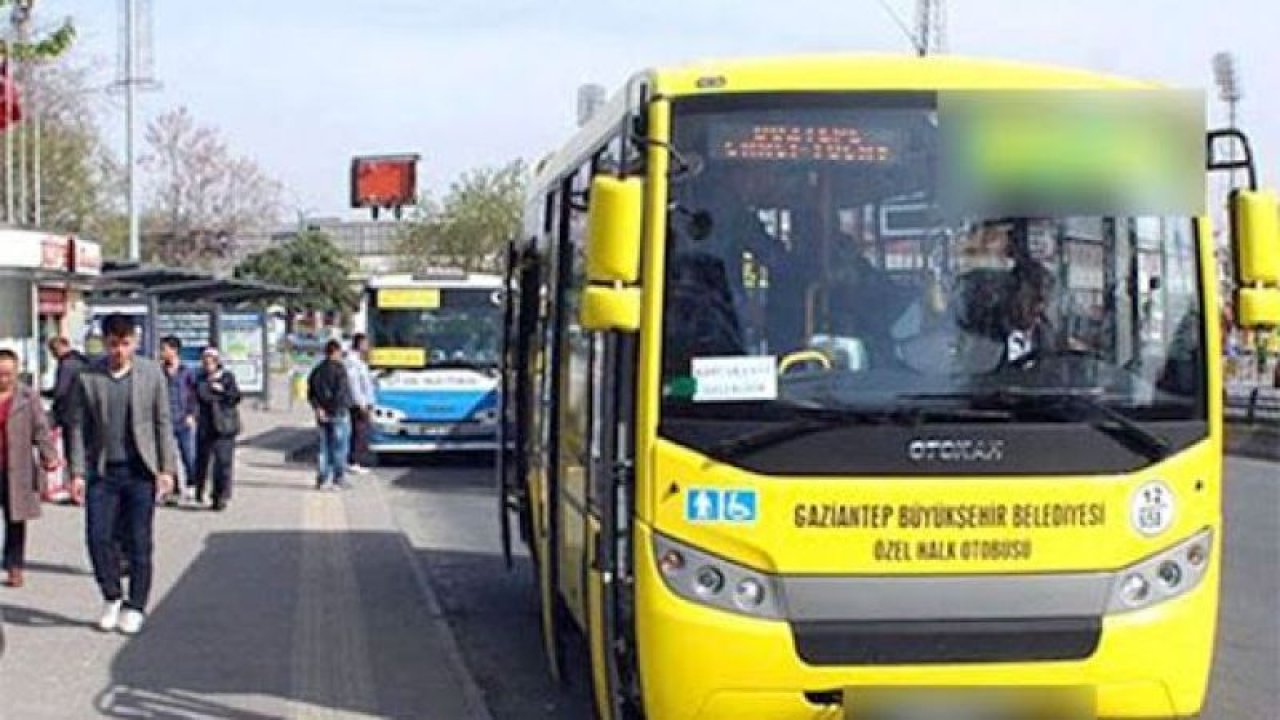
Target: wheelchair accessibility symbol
[[709, 505]]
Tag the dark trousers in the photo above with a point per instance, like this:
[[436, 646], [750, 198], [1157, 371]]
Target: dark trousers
[[359, 453], [218, 450], [15, 533], [123, 496]]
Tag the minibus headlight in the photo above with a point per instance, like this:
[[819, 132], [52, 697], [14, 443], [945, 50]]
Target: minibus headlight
[[1163, 576], [1135, 590], [709, 580], [388, 415], [1197, 554], [1170, 573], [749, 594], [671, 562]]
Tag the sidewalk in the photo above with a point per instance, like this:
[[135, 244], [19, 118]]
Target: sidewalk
[[292, 603]]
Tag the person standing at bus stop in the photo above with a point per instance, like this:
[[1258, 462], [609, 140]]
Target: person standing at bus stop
[[219, 399], [122, 444], [23, 426], [329, 393], [362, 392], [70, 363], [182, 410]]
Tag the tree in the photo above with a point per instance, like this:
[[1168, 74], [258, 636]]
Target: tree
[[471, 225], [311, 263], [51, 45], [201, 196], [21, 56], [81, 181]]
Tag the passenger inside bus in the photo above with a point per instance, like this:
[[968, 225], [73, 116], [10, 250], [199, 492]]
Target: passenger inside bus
[[700, 297]]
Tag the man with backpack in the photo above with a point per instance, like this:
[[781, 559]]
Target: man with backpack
[[329, 394]]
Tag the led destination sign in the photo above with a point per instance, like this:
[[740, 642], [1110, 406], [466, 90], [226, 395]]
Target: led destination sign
[[802, 142]]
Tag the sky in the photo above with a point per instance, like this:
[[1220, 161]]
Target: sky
[[303, 85]]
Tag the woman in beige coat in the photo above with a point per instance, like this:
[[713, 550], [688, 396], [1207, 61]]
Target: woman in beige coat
[[23, 427]]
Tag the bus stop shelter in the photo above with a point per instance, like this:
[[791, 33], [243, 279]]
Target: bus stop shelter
[[200, 309]]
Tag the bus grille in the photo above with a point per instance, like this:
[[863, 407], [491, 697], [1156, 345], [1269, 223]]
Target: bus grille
[[901, 642]]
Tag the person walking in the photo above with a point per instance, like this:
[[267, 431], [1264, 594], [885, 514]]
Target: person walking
[[182, 411], [70, 363], [360, 380], [23, 426], [123, 457], [219, 399], [329, 394]]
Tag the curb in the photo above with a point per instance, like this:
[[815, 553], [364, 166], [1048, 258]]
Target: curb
[[1260, 442], [472, 695]]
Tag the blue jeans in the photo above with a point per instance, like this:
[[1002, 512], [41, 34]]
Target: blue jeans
[[185, 436], [124, 497], [335, 443]]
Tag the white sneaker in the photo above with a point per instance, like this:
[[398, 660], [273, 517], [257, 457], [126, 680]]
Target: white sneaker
[[131, 621], [110, 615], [359, 469]]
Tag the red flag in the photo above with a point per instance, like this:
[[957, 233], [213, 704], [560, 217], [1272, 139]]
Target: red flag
[[10, 107]]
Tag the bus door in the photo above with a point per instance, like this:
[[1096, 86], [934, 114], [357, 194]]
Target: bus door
[[606, 363], [544, 444], [519, 289], [611, 489]]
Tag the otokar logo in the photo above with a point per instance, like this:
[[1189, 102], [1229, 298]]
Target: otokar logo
[[955, 450]]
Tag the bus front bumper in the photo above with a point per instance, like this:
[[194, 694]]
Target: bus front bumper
[[701, 663], [410, 437]]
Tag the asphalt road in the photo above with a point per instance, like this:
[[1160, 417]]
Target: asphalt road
[[447, 508]]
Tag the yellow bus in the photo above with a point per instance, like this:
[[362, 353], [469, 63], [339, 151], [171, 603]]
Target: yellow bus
[[851, 386]]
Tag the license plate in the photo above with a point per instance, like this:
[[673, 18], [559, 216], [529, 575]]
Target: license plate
[[427, 429], [969, 704]]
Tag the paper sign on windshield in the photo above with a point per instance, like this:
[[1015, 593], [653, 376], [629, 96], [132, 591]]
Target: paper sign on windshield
[[728, 379]]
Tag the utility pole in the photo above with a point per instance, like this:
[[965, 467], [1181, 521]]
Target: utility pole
[[134, 72], [931, 30], [21, 74], [131, 175], [1229, 91]]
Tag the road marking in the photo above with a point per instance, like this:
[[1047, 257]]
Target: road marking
[[331, 661]]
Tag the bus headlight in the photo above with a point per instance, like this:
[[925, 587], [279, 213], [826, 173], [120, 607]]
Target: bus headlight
[[488, 416], [708, 581], [1162, 576], [386, 415], [703, 578], [1135, 590], [749, 594]]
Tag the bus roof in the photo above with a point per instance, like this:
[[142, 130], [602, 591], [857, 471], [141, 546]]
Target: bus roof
[[458, 280], [816, 73]]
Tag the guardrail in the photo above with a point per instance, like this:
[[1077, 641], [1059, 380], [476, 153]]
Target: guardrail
[[1255, 405]]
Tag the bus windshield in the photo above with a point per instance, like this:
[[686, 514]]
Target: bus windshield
[[450, 327], [808, 266]]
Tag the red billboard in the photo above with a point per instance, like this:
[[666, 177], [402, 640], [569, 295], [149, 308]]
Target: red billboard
[[384, 181]]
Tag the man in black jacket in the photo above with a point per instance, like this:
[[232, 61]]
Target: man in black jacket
[[329, 394], [70, 363]]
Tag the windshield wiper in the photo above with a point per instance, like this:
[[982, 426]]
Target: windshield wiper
[[1101, 417], [812, 419], [1125, 428]]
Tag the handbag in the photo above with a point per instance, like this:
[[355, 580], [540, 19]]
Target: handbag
[[226, 420]]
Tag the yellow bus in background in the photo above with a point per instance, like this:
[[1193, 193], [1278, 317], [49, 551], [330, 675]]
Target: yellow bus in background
[[843, 386]]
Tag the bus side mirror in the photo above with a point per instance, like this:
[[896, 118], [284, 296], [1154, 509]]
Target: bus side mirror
[[1255, 229], [610, 308], [613, 229]]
